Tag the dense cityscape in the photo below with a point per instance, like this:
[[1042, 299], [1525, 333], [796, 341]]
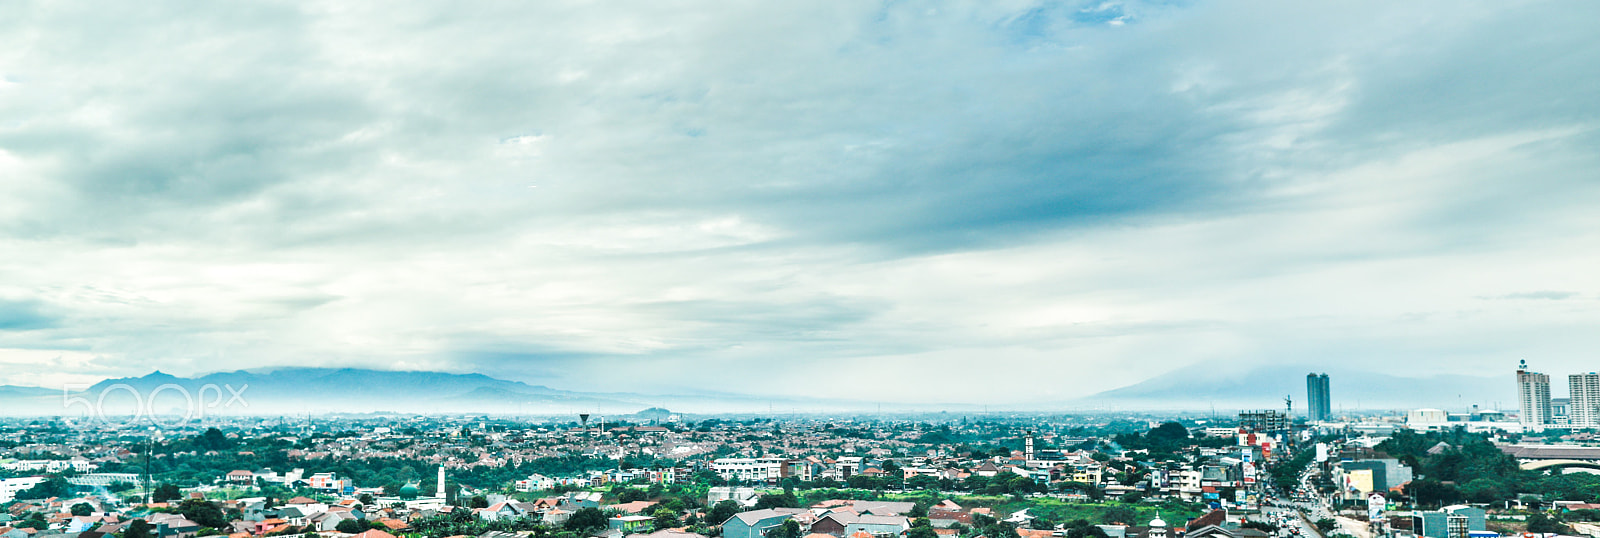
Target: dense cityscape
[[1478, 473]]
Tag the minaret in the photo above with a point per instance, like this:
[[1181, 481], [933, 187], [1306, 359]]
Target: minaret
[[1028, 447], [441, 481]]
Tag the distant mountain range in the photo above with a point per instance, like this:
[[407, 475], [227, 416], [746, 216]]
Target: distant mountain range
[[289, 391], [279, 391], [1198, 387]]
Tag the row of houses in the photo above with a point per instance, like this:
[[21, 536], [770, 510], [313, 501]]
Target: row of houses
[[837, 519], [598, 478], [82, 465]]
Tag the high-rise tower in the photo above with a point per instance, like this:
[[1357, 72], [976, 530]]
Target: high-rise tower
[[1318, 401], [1583, 409], [1533, 392]]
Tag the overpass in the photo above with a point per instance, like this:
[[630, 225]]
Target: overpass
[[1536, 457], [1535, 465], [103, 479]]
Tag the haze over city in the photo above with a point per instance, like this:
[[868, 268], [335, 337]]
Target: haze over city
[[1011, 203]]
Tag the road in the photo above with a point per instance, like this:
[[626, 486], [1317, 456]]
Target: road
[[1292, 521]]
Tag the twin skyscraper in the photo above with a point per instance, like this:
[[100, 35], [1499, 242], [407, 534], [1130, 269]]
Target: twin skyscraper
[[1318, 406]]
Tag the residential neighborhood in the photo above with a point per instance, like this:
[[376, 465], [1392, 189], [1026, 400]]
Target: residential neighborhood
[[667, 476]]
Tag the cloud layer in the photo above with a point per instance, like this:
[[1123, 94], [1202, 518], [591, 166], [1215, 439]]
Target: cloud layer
[[1014, 202]]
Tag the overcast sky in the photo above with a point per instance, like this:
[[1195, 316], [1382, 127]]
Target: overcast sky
[[919, 201]]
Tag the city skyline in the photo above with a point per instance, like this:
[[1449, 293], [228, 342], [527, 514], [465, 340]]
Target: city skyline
[[1046, 201]]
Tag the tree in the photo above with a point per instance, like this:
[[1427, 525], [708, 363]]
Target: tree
[[1262, 526], [862, 481], [82, 509], [1483, 490], [54, 486], [213, 439], [1326, 525], [35, 521], [587, 520], [921, 532], [789, 529], [1431, 492], [166, 492], [721, 512], [137, 529], [1539, 522], [627, 495], [366, 499], [351, 526], [1583, 515], [780, 500], [203, 512], [1121, 514], [994, 528], [666, 518], [922, 481], [478, 501], [1080, 528], [1169, 432]]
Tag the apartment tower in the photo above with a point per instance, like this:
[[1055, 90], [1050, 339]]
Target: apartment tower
[[1533, 392], [1583, 410]]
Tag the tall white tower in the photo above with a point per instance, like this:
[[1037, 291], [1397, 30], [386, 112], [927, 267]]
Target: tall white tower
[[441, 481], [1028, 447], [1533, 393], [1583, 411]]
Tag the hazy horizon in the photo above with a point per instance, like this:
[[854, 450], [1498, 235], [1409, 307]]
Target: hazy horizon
[[277, 390]]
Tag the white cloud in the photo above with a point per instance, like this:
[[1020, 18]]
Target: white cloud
[[537, 191]]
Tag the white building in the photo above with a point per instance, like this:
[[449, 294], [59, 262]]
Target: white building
[[1583, 411], [1533, 393], [9, 487], [52, 466], [1422, 419], [535, 482], [744, 496], [748, 469]]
